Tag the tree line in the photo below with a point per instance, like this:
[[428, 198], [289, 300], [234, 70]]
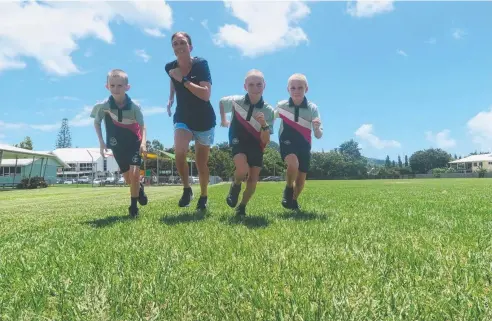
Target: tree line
[[343, 162]]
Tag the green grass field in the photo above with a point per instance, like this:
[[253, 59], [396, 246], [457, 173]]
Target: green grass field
[[361, 250]]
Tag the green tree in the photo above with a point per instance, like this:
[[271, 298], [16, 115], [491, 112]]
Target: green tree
[[26, 143], [423, 161], [387, 162], [64, 139], [400, 164], [350, 149], [406, 161]]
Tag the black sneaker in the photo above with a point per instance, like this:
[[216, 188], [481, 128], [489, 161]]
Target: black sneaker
[[287, 199], [295, 205], [133, 211], [202, 203], [241, 210], [142, 197], [186, 197], [233, 196]]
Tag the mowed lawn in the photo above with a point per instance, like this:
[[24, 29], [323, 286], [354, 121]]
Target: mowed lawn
[[361, 250]]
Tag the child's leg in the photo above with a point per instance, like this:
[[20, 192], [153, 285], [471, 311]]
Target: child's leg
[[299, 186], [241, 164], [292, 169], [242, 167], [134, 174], [254, 174]]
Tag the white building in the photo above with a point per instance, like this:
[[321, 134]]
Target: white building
[[473, 163], [86, 162]]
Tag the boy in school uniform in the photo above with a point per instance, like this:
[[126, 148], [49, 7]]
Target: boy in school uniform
[[125, 134], [299, 118], [249, 133]]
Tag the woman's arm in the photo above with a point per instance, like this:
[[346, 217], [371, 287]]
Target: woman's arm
[[202, 91]]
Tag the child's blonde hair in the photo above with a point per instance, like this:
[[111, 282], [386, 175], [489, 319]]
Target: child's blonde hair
[[254, 72], [299, 77], [118, 73]]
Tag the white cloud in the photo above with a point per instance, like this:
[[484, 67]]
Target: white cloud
[[154, 32], [401, 53], [82, 119], [271, 26], [153, 110], [480, 129], [65, 98], [458, 33], [49, 31], [441, 139], [365, 132], [205, 24], [367, 9], [431, 41], [142, 54]]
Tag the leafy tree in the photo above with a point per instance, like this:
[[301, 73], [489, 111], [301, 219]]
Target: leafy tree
[[387, 162], [423, 161], [26, 143], [64, 139]]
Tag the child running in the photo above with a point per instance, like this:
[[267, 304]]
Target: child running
[[125, 134], [249, 133], [299, 117]]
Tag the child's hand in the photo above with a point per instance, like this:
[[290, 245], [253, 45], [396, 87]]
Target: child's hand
[[316, 123], [260, 117], [176, 74], [225, 123], [143, 149], [103, 148]]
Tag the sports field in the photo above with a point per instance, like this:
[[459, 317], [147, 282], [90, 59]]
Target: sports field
[[361, 250]]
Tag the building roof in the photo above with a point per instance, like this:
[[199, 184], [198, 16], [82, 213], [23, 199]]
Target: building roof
[[11, 152], [11, 162], [473, 159], [80, 155]]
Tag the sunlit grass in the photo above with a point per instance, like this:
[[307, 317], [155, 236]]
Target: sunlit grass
[[360, 250]]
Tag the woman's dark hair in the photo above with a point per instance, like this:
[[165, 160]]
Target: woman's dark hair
[[184, 34]]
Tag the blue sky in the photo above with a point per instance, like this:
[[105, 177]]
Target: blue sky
[[395, 76]]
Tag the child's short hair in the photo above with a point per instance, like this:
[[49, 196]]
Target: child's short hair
[[299, 77], [254, 72], [118, 73]]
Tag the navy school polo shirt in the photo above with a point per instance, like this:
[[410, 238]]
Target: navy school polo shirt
[[196, 113]]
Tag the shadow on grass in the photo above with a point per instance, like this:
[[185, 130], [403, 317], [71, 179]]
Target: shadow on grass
[[108, 221], [251, 222], [304, 216], [195, 216]]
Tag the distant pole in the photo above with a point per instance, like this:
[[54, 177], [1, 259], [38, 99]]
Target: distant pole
[[92, 164], [15, 170], [30, 172]]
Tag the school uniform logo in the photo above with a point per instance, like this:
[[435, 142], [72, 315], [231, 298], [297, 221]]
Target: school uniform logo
[[113, 141], [135, 158], [235, 141]]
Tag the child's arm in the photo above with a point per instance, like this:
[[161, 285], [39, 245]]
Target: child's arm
[[317, 126], [98, 114], [170, 102], [225, 107], [143, 145]]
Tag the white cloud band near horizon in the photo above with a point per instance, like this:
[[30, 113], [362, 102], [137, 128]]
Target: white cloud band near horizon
[[31, 29], [81, 119], [365, 133]]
